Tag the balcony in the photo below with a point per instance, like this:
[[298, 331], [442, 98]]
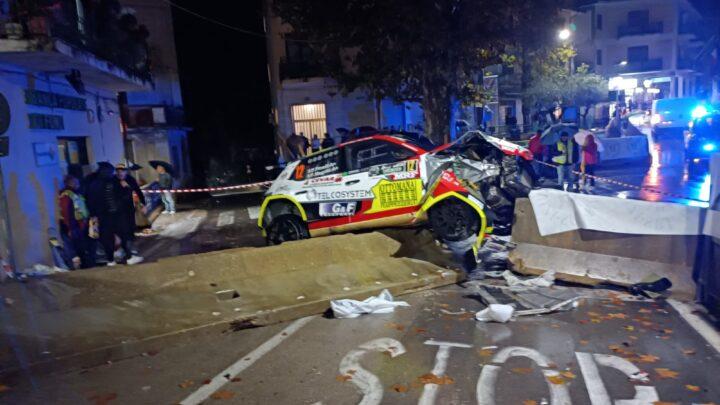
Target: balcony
[[649, 65], [645, 29], [45, 36], [303, 69], [145, 117]]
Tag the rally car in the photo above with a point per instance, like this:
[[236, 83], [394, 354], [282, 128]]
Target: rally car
[[461, 190]]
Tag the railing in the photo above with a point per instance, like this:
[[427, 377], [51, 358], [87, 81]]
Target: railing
[[641, 66], [299, 70], [645, 29]]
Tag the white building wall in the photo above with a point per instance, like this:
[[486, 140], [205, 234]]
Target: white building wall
[[31, 189]]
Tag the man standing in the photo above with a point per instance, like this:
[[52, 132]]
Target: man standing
[[327, 142], [538, 150], [74, 217], [565, 155], [296, 144], [128, 188], [165, 182]]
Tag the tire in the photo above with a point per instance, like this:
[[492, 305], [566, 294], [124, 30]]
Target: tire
[[286, 228], [453, 220]]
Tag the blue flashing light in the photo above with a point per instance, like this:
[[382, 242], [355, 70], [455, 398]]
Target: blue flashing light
[[709, 147], [699, 111]]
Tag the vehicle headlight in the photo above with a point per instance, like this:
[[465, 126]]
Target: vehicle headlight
[[709, 147], [699, 111]]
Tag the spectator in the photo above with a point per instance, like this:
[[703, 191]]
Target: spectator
[[128, 190], [589, 160], [565, 156], [306, 143], [104, 202], [539, 151], [74, 220], [296, 144], [315, 144], [327, 141], [165, 182]]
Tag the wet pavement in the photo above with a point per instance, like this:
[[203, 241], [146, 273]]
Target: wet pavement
[[432, 352]]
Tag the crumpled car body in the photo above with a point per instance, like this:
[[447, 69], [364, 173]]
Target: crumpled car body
[[461, 190]]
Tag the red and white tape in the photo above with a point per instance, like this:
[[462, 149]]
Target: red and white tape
[[621, 183], [210, 189]]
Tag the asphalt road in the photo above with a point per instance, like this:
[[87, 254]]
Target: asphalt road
[[432, 352]]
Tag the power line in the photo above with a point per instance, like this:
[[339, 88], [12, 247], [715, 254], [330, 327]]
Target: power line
[[232, 27]]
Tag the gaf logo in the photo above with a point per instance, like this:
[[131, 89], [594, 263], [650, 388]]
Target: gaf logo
[[338, 209]]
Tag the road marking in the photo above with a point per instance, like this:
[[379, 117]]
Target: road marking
[[697, 323], [253, 212], [430, 390], [226, 218], [368, 383], [596, 388], [244, 362]]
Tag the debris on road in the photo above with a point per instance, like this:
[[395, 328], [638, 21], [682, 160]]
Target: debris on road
[[383, 303], [517, 284], [495, 312]]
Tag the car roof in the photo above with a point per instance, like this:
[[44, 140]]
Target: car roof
[[393, 138]]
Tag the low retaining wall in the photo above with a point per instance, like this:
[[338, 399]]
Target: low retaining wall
[[624, 149]]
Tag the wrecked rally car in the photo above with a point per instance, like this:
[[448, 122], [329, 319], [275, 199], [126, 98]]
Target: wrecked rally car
[[462, 190]]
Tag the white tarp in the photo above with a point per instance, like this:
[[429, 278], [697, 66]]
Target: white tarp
[[559, 211], [383, 303]]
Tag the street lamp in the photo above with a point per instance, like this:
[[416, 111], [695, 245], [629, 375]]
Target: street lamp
[[564, 34]]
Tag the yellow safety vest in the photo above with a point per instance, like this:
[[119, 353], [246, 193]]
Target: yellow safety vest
[[566, 152]]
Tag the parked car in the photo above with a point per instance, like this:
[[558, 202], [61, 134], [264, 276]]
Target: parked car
[[460, 190], [703, 138], [671, 116]]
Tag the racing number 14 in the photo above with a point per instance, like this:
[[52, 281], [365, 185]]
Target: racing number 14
[[372, 389]]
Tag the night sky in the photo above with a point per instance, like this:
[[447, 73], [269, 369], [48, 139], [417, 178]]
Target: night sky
[[224, 80]]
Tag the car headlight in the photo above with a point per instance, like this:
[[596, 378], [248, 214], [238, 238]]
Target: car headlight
[[709, 147]]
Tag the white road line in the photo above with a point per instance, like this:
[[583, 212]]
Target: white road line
[[253, 212], [441, 358], [244, 362], [226, 218], [703, 328]]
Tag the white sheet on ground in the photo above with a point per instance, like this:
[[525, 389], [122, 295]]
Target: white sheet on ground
[[495, 313], [383, 303], [559, 211]]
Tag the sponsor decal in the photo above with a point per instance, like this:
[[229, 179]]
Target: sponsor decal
[[403, 176], [338, 209], [412, 165], [381, 170], [390, 195], [323, 181], [317, 195]]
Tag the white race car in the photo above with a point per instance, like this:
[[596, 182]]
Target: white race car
[[460, 189]]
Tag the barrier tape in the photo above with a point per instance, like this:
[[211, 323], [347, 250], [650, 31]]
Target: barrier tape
[[210, 189], [622, 183]]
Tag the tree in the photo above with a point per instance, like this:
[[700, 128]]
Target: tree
[[430, 51], [552, 83]]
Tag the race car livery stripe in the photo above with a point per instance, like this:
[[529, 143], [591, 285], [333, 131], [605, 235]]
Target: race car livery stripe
[[360, 217]]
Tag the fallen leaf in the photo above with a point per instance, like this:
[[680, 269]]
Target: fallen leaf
[[486, 352], [668, 331], [522, 370], [343, 377], [556, 379], [666, 373], [633, 337], [594, 314], [103, 399], [554, 325], [206, 382], [688, 352], [223, 395], [236, 379], [420, 330], [186, 384], [568, 374], [431, 378], [584, 342], [397, 326], [400, 388], [529, 402], [595, 320], [693, 388], [645, 311], [583, 321], [629, 328], [617, 316], [443, 305], [648, 358]]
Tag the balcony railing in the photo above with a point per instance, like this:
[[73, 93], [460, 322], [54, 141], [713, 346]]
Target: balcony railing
[[640, 66], [299, 69], [150, 116], [645, 29], [116, 39]]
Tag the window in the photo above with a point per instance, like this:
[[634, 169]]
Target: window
[[317, 165], [598, 57], [637, 54], [73, 155], [309, 120], [638, 18], [363, 155], [598, 22]]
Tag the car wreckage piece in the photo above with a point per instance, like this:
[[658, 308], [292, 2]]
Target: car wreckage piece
[[462, 190]]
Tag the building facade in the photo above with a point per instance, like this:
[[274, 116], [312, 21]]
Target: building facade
[[154, 120], [648, 49], [59, 114]]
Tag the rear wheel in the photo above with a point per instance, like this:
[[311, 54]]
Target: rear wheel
[[285, 228], [453, 220]]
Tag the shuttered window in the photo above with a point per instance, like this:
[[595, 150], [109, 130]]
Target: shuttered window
[[309, 120]]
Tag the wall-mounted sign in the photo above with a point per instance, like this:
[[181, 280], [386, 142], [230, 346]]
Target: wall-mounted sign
[[46, 121], [53, 100], [46, 153], [4, 114]]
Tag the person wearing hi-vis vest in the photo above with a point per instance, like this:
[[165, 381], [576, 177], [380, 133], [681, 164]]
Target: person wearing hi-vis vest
[[74, 217], [565, 155]]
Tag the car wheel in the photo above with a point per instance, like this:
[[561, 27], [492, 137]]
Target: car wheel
[[285, 228], [453, 220]]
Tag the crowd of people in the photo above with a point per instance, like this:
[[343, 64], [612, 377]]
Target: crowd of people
[[300, 146], [568, 158], [100, 210]]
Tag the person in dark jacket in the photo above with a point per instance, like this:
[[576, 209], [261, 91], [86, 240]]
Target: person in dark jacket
[[327, 141], [129, 188], [105, 203]]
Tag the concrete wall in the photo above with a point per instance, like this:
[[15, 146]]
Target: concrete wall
[[675, 250], [31, 189]]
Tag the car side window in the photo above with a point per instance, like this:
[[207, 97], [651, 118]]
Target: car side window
[[363, 155], [319, 164]]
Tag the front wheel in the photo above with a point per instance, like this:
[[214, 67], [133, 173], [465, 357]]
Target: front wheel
[[453, 220], [286, 228]]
